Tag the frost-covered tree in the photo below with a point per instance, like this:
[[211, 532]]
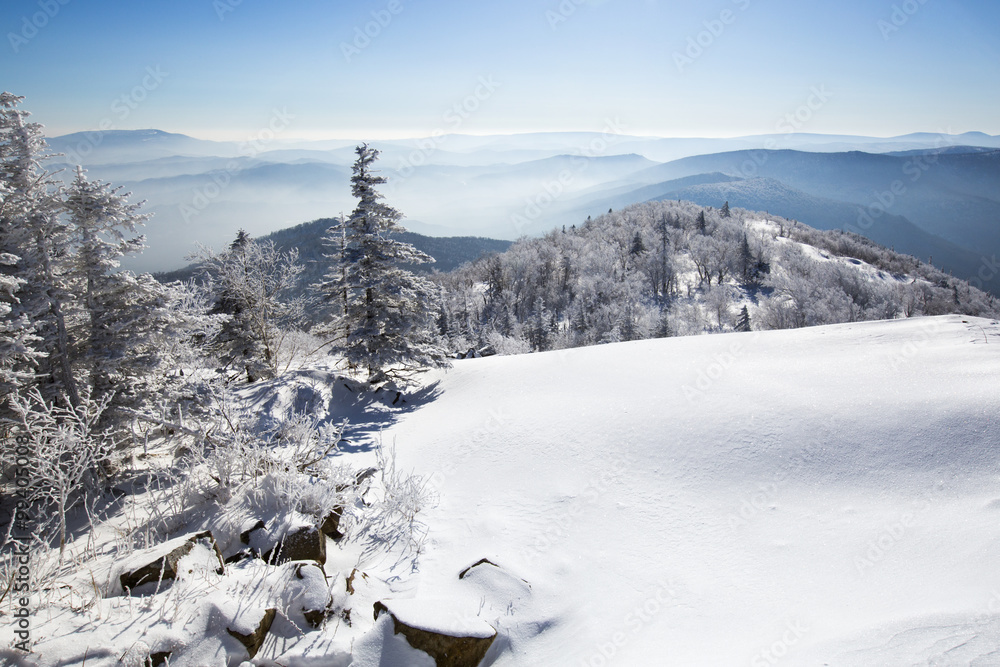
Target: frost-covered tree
[[743, 321], [333, 290], [254, 284], [34, 235], [386, 329], [17, 339], [69, 454], [14, 334], [718, 299], [119, 309], [541, 326], [189, 326]]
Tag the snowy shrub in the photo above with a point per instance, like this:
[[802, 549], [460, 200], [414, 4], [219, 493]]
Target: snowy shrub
[[253, 284], [305, 441], [389, 521], [70, 457], [506, 344]]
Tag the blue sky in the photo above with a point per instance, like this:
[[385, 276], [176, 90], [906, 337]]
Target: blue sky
[[218, 69]]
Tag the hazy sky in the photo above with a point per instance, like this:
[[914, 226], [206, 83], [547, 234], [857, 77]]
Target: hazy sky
[[219, 69]]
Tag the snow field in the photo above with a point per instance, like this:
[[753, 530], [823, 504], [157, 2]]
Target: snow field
[[736, 499]]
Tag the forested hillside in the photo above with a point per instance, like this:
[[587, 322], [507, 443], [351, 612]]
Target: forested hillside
[[674, 268], [448, 252]]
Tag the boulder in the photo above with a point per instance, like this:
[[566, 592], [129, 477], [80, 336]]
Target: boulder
[[164, 566], [331, 524], [249, 527], [241, 555], [350, 580], [309, 592], [305, 543], [499, 591], [315, 617], [481, 561], [255, 639], [450, 640]]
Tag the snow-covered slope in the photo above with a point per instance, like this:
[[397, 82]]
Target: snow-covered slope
[[817, 496], [820, 496]]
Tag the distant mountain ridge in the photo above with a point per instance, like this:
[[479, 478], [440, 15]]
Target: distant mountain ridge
[[773, 196], [924, 189], [307, 239], [115, 146], [928, 194]]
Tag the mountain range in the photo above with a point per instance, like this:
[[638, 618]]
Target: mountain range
[[936, 196]]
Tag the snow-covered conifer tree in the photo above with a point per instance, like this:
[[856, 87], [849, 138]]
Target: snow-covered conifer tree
[[16, 337], [119, 308], [387, 325], [254, 281], [743, 323], [34, 234]]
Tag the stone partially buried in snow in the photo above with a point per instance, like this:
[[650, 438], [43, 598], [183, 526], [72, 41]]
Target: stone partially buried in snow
[[308, 592], [478, 563], [331, 524], [495, 585], [437, 628], [304, 543], [253, 638], [161, 562], [249, 527]]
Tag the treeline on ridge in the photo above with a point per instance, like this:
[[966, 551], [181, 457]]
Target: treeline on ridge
[[666, 268]]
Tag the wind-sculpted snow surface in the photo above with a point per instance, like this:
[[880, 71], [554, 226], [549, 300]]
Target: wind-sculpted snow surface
[[817, 496]]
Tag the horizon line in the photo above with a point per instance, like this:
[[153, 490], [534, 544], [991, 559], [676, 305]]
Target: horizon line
[[200, 136]]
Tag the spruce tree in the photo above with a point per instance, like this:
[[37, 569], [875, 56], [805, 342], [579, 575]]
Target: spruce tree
[[743, 323], [663, 329], [35, 244], [119, 309], [747, 263], [540, 326], [638, 247], [254, 284], [662, 283], [16, 337], [388, 314]]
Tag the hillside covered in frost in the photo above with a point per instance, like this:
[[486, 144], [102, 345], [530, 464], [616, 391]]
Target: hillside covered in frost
[[668, 268]]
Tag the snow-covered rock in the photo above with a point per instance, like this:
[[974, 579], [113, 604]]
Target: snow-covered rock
[[163, 562], [441, 629]]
